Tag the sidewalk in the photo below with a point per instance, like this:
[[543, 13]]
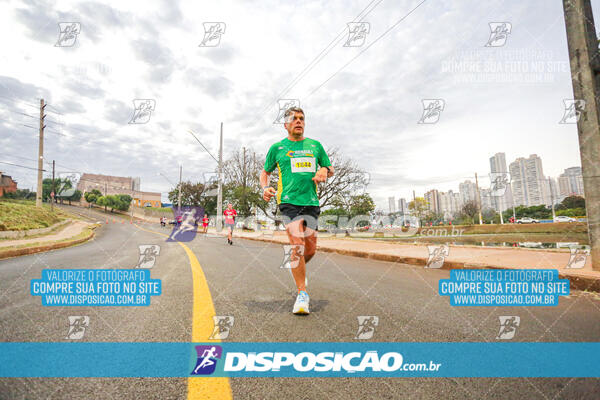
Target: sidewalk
[[74, 228], [74, 233], [459, 256]]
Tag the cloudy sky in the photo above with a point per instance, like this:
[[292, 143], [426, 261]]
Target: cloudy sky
[[364, 99]]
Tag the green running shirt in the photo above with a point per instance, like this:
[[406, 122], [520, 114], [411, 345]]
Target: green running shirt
[[298, 162]]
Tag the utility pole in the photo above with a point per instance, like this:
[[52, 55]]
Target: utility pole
[[512, 195], [585, 75], [219, 221], [52, 194], [415, 209], [179, 191], [478, 200], [38, 196], [551, 199], [244, 177]]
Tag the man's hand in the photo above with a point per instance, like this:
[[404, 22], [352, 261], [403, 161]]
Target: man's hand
[[321, 175], [268, 193]]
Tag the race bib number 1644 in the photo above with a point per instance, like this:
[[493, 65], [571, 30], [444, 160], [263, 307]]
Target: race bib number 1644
[[303, 164]]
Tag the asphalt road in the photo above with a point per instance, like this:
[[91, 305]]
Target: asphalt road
[[245, 282]]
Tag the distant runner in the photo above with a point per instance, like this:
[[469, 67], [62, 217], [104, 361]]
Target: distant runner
[[230, 215], [297, 158], [205, 221]]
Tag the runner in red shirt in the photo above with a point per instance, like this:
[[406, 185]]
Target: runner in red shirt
[[205, 221], [230, 215]]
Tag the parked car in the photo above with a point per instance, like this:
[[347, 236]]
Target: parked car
[[564, 218], [527, 220]]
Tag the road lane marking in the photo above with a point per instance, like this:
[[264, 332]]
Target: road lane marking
[[202, 326]]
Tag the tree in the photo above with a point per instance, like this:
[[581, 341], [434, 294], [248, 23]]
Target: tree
[[25, 194], [419, 207], [348, 180], [93, 196], [47, 188], [468, 212], [76, 196], [196, 194], [191, 194], [361, 204], [102, 201], [537, 212], [433, 218], [241, 173], [571, 202], [490, 215], [572, 212], [119, 202], [124, 201]]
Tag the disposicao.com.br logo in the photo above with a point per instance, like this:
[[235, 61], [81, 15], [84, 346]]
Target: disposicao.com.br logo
[[327, 363]]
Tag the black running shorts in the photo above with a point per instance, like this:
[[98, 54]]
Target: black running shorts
[[292, 212]]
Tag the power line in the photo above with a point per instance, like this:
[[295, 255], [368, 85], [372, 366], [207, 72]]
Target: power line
[[318, 59], [22, 113], [21, 101], [53, 122], [203, 146], [366, 48], [23, 158], [21, 166], [55, 112]]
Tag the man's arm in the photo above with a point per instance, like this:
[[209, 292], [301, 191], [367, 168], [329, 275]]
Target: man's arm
[[268, 191], [322, 174]]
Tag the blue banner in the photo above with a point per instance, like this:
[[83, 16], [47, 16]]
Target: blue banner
[[313, 359], [95, 287], [503, 287]]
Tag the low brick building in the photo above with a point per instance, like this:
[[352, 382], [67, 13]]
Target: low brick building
[[7, 184], [108, 184]]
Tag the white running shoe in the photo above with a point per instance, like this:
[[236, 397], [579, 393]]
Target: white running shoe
[[301, 305]]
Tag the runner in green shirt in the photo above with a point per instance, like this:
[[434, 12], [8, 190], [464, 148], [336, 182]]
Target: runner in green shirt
[[302, 163]]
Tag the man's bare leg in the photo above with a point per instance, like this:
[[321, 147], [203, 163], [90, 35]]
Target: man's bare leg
[[310, 244], [295, 232]]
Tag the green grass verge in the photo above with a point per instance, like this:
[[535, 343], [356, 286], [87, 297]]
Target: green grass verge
[[83, 234], [53, 231], [19, 215], [566, 227]]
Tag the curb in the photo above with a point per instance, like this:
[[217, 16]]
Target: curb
[[32, 232], [40, 249], [578, 282]]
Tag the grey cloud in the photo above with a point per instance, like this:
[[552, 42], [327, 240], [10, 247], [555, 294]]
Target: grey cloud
[[97, 17], [14, 88], [41, 20], [117, 111], [84, 89], [160, 59], [219, 55], [73, 107], [170, 13], [210, 83]]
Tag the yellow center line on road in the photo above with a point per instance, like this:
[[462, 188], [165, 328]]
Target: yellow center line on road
[[202, 327]]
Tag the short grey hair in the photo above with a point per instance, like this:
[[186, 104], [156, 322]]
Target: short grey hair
[[292, 110]]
